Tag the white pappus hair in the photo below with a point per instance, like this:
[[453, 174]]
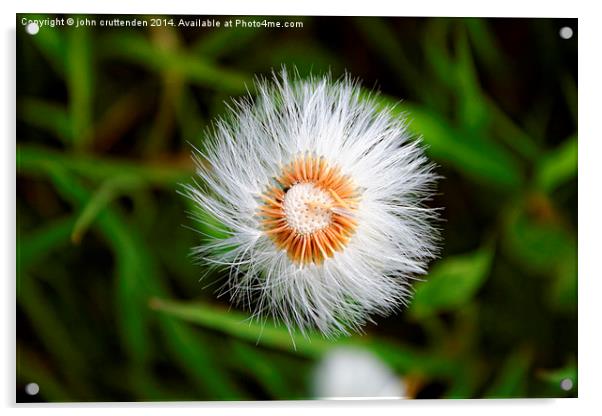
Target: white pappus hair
[[346, 243]]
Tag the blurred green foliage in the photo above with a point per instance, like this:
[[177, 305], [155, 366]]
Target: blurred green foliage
[[109, 303]]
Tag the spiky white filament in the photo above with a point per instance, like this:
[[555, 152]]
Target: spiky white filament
[[394, 238]]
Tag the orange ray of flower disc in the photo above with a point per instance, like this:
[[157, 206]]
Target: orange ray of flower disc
[[310, 213]]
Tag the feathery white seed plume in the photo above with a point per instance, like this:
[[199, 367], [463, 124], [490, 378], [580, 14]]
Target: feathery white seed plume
[[320, 194]]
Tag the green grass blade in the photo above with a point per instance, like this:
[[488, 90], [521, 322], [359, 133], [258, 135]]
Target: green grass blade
[[36, 160], [569, 88], [131, 289], [80, 81], [55, 337], [50, 117], [387, 44], [485, 44], [31, 368], [108, 191], [136, 281], [260, 366], [479, 159], [195, 69], [512, 378], [234, 324], [558, 166], [508, 132], [197, 361], [473, 113], [31, 246], [313, 345], [452, 282], [219, 43], [555, 377], [51, 43]]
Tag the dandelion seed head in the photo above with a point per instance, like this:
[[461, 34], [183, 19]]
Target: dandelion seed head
[[309, 213], [321, 194], [307, 208]]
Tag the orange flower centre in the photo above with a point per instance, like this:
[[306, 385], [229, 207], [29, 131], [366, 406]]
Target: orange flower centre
[[310, 212]]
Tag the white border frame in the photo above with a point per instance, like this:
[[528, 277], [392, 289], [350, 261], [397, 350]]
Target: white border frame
[[590, 69]]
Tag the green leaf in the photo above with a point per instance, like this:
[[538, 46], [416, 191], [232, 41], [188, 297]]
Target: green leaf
[[558, 166], [534, 237], [474, 156], [452, 282]]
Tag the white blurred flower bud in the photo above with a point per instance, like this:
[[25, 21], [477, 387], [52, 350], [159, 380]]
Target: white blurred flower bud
[[347, 372]]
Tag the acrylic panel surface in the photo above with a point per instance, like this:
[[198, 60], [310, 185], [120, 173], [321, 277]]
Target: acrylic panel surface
[[111, 306]]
